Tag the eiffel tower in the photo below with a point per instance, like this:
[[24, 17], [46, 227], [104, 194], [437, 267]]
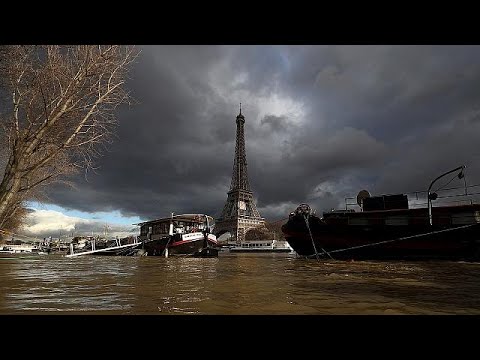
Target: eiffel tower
[[240, 213]]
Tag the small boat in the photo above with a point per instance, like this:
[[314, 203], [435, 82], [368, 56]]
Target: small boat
[[386, 228], [22, 249], [262, 246], [183, 235]]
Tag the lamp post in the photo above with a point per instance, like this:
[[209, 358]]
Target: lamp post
[[433, 196]]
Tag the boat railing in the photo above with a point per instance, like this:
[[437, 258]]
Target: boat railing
[[398, 220], [92, 247], [469, 195]]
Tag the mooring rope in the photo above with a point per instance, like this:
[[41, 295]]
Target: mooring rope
[[401, 238], [313, 242]]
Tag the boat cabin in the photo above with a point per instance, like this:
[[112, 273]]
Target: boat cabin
[[385, 202], [178, 224]]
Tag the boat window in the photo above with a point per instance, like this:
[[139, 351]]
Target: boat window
[[161, 228]]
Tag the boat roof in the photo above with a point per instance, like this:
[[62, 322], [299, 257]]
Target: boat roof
[[200, 218]]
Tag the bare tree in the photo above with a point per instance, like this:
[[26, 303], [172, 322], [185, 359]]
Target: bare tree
[[11, 224], [57, 107]]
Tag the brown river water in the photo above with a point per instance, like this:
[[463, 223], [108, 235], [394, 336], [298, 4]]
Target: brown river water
[[261, 284]]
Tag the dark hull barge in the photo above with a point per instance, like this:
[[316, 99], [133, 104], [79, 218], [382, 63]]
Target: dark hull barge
[[387, 229]]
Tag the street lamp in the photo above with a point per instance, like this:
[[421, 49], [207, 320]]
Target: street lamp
[[433, 196]]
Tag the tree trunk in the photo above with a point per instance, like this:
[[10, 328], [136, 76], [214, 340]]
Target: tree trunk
[[8, 200], [9, 189]]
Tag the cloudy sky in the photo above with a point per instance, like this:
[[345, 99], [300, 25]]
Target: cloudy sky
[[322, 123]]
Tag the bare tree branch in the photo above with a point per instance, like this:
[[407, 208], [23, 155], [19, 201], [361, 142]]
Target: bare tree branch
[[61, 113]]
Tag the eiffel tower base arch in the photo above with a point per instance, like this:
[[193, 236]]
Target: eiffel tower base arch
[[238, 227]]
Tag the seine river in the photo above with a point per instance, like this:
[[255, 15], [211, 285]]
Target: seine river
[[265, 284]]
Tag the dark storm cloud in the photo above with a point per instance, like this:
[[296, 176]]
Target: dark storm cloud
[[389, 91], [275, 123], [322, 122]]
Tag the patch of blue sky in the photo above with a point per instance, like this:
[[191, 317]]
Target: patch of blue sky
[[102, 216]]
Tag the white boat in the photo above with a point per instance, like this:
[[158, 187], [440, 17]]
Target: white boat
[[21, 249], [262, 246]]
